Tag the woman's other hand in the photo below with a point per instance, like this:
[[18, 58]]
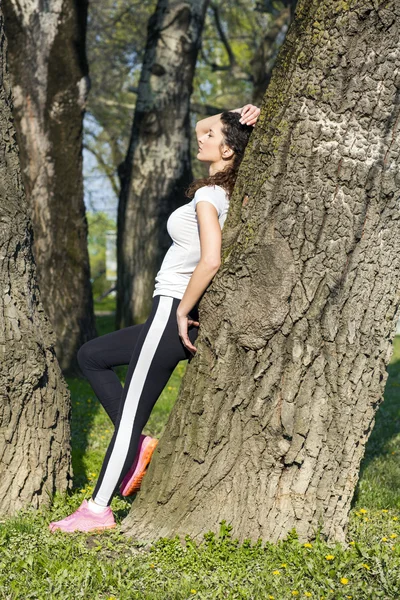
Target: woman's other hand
[[249, 114], [183, 323]]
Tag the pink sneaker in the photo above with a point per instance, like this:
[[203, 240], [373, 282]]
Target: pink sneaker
[[133, 479], [83, 519]]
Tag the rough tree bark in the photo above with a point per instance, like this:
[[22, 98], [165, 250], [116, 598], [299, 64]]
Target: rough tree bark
[[157, 167], [296, 329], [49, 78], [34, 400], [265, 55]]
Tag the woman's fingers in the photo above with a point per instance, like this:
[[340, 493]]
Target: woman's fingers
[[245, 111], [190, 322], [189, 345], [249, 114]]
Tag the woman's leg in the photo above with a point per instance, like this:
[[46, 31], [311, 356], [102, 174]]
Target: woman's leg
[[98, 357], [156, 354]]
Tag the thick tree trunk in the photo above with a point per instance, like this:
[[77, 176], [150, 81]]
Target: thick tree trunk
[[34, 400], [50, 83], [157, 168], [296, 328], [265, 55]]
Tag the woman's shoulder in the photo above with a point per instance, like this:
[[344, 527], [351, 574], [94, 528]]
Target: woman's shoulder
[[213, 190]]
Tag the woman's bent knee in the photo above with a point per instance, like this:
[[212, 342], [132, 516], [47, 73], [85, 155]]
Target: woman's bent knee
[[84, 355]]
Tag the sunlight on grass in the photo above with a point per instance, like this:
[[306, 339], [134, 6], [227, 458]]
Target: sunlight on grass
[[37, 564]]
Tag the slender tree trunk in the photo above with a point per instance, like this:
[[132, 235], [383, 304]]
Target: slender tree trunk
[[34, 400], [50, 83], [157, 168], [296, 329]]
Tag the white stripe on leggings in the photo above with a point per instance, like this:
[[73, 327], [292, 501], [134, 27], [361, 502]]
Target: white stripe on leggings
[[136, 385]]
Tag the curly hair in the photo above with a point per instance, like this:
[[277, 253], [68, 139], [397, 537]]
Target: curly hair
[[236, 135]]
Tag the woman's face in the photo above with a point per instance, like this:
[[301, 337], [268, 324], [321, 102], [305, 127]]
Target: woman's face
[[210, 148]]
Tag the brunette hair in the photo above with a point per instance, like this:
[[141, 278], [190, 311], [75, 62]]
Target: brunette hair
[[236, 135]]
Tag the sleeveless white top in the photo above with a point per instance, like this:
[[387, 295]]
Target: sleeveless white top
[[183, 255]]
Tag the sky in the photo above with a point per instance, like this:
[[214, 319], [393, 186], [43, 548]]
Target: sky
[[99, 194]]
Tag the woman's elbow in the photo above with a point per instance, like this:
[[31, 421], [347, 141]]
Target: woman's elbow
[[211, 263]]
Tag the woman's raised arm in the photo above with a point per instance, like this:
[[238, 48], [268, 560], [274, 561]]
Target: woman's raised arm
[[249, 115]]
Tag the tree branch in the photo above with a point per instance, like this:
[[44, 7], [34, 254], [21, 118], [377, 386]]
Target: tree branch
[[108, 102], [221, 33], [233, 67], [107, 171]]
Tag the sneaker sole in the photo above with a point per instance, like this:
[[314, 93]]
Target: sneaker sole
[[99, 530], [96, 530], [134, 484]]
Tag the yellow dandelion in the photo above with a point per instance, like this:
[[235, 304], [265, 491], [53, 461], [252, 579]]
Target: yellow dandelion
[[329, 557], [351, 543], [385, 510], [363, 511], [152, 566], [295, 593], [276, 572], [271, 597], [384, 539], [307, 545], [395, 518], [83, 491], [366, 566], [366, 519], [344, 581], [283, 565], [193, 592], [308, 594], [93, 474], [393, 536]]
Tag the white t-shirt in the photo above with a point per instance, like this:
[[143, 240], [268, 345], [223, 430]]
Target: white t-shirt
[[183, 255]]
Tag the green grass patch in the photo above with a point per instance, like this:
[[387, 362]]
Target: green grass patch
[[106, 304], [37, 564]]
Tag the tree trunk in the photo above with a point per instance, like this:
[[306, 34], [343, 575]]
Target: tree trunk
[[157, 168], [34, 400], [296, 329], [50, 83], [265, 55]]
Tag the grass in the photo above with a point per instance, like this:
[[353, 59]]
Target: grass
[[106, 304], [37, 564]]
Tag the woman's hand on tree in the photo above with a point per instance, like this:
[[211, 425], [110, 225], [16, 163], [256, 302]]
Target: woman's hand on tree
[[183, 323], [249, 114]]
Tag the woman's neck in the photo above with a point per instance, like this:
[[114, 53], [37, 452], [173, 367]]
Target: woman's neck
[[220, 165]]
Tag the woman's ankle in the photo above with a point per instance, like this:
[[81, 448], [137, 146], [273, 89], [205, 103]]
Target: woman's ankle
[[96, 508]]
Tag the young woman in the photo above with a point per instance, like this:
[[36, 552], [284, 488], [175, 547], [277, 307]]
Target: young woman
[[154, 348]]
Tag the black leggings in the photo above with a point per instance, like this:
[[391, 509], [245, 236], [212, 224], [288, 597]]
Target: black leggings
[[152, 350]]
